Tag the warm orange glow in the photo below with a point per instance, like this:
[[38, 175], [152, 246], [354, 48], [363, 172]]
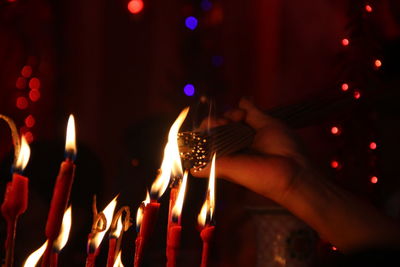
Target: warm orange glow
[[139, 214], [373, 145], [378, 63], [171, 163], [135, 6], [34, 258], [62, 238], [345, 42], [374, 179], [23, 155], [209, 203], [345, 87], [368, 8], [335, 130], [118, 261], [108, 213], [117, 231], [177, 209], [70, 144]]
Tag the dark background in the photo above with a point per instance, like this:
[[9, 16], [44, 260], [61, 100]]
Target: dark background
[[122, 76]]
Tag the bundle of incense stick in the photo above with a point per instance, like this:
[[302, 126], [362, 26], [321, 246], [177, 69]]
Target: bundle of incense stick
[[197, 147]]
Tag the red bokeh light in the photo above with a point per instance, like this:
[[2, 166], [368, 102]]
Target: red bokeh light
[[378, 63], [135, 6], [373, 145], [30, 121], [22, 102], [34, 84], [29, 137], [20, 83], [335, 164], [34, 95], [345, 87], [335, 130], [368, 8], [26, 71], [345, 42], [357, 94], [334, 248], [374, 179]]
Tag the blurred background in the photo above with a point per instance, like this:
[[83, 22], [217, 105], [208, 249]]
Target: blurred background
[[126, 68]]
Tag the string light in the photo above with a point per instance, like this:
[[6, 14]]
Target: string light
[[30, 121], [22, 102], [345, 87], [373, 145], [345, 42], [335, 164], [335, 130], [357, 94], [189, 89], [374, 180], [191, 23], [26, 71], [135, 6], [34, 95], [368, 8], [377, 63], [20, 83], [34, 84]]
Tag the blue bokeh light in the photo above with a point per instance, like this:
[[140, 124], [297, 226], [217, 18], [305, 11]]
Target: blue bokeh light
[[191, 23], [189, 89]]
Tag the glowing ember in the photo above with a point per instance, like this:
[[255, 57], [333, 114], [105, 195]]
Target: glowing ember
[[108, 213], [171, 162], [177, 209], [23, 156], [62, 238], [209, 204], [34, 258]]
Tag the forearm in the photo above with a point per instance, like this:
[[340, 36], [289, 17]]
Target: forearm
[[338, 216]]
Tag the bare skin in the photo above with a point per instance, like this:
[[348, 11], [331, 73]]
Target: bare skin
[[279, 169]]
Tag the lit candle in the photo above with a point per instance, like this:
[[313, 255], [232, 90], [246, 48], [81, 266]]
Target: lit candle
[[101, 224], [118, 227], [34, 258], [112, 243], [118, 261], [62, 238], [205, 218], [175, 228], [148, 210], [15, 200], [61, 191]]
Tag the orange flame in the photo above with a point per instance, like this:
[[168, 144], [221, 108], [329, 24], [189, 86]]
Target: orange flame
[[118, 261], [209, 204], [23, 155], [177, 209], [139, 214], [171, 163], [117, 231], [62, 238], [34, 258], [70, 143], [108, 213]]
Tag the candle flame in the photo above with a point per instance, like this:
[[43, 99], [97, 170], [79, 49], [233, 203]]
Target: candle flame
[[70, 144], [209, 204], [62, 238], [34, 258], [177, 209], [118, 261], [139, 214], [117, 231], [171, 163], [23, 155], [108, 213]]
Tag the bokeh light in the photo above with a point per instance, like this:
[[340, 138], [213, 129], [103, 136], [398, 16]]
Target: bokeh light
[[26, 71], [345, 42], [368, 8], [357, 94], [22, 102], [373, 145], [34, 84], [135, 6], [20, 83], [378, 63], [189, 89], [30, 121], [345, 87], [34, 95], [191, 23], [335, 130], [374, 179], [335, 164]]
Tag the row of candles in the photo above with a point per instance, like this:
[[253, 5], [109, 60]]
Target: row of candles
[[59, 217]]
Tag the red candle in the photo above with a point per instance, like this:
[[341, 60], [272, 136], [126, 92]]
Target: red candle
[[61, 193], [15, 200], [114, 239], [174, 229], [206, 235], [112, 244], [62, 238], [145, 221]]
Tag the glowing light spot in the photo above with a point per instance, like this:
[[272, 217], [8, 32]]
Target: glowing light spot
[[34, 95], [345, 42], [334, 248], [191, 23], [29, 137], [374, 179], [378, 63], [135, 6], [368, 8], [34, 84], [30, 121], [335, 130], [189, 89], [345, 87], [135, 162], [26, 71], [373, 145], [335, 164], [206, 5], [357, 94], [22, 102], [20, 83], [217, 61]]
